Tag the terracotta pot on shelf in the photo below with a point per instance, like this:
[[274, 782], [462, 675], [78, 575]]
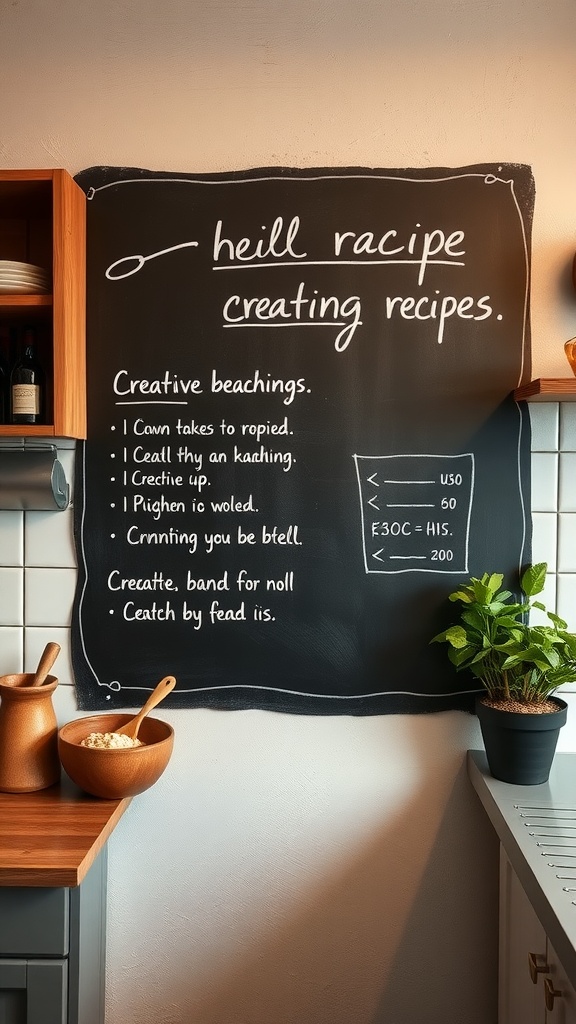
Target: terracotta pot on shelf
[[28, 734]]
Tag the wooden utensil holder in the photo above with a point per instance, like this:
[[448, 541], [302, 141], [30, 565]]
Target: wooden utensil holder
[[28, 734]]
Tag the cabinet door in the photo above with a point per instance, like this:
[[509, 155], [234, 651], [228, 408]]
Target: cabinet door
[[560, 997], [33, 991], [523, 954]]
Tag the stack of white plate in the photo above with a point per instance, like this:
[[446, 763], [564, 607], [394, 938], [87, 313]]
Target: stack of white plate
[[23, 279]]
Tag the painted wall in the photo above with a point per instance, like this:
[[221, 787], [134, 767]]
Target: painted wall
[[286, 869]]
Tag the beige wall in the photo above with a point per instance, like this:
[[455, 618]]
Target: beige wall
[[286, 869]]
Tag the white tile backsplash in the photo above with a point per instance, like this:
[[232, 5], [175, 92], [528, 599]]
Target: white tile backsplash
[[544, 417], [567, 482], [567, 426], [566, 599], [48, 596], [567, 542], [545, 538], [11, 597], [11, 538], [11, 649], [566, 608], [544, 481], [49, 539]]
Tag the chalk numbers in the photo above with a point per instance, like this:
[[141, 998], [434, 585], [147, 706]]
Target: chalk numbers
[[408, 503]]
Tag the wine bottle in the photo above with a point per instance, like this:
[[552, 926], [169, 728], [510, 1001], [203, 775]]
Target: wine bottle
[[4, 390], [27, 383], [4, 375]]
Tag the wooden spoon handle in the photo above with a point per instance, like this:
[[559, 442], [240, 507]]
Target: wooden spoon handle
[[49, 655], [158, 693]]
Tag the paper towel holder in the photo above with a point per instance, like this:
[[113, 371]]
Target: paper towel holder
[[32, 479]]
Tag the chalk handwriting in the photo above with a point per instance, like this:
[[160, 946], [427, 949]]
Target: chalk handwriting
[[263, 247], [132, 264], [169, 384], [259, 383], [415, 512], [307, 311]]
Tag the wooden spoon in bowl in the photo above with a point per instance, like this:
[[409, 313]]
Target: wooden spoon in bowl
[[158, 693], [49, 655]]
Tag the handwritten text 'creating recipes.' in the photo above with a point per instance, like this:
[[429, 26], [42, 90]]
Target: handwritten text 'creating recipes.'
[[279, 246]]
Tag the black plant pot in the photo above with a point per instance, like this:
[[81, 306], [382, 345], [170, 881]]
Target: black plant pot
[[520, 747]]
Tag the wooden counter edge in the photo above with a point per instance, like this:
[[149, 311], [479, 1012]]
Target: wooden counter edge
[[62, 875]]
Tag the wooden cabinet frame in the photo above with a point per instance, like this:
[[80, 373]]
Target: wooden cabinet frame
[[34, 197]]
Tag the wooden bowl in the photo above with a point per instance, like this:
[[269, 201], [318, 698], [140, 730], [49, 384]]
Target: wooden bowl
[[114, 774]]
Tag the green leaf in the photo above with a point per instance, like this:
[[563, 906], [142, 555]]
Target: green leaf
[[460, 656], [544, 660], [485, 589], [510, 662], [496, 643], [455, 635], [495, 581], [510, 645], [569, 641], [505, 622], [473, 617], [534, 578], [564, 674], [560, 623], [479, 657]]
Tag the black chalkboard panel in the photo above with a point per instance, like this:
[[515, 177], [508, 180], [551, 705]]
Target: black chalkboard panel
[[301, 431]]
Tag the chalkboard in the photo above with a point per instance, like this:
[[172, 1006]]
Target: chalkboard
[[301, 434]]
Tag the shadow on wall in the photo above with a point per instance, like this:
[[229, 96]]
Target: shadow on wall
[[391, 935], [437, 975]]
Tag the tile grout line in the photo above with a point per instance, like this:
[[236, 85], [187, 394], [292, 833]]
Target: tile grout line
[[557, 531]]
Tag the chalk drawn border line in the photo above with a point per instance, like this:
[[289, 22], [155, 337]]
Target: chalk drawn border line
[[489, 179], [413, 455]]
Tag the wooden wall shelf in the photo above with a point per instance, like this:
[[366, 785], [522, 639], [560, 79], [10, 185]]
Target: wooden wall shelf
[[43, 222], [547, 389]]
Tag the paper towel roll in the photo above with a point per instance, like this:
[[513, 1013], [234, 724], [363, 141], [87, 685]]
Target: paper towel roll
[[33, 479]]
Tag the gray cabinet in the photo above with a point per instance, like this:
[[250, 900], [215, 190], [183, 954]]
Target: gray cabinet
[[52, 952], [33, 991], [560, 996], [533, 985], [522, 953]]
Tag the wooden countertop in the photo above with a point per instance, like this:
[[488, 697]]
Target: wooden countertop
[[51, 837]]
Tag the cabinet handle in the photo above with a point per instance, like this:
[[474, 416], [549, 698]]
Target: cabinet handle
[[550, 993], [536, 968]]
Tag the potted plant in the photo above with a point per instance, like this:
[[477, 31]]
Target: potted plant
[[519, 666]]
